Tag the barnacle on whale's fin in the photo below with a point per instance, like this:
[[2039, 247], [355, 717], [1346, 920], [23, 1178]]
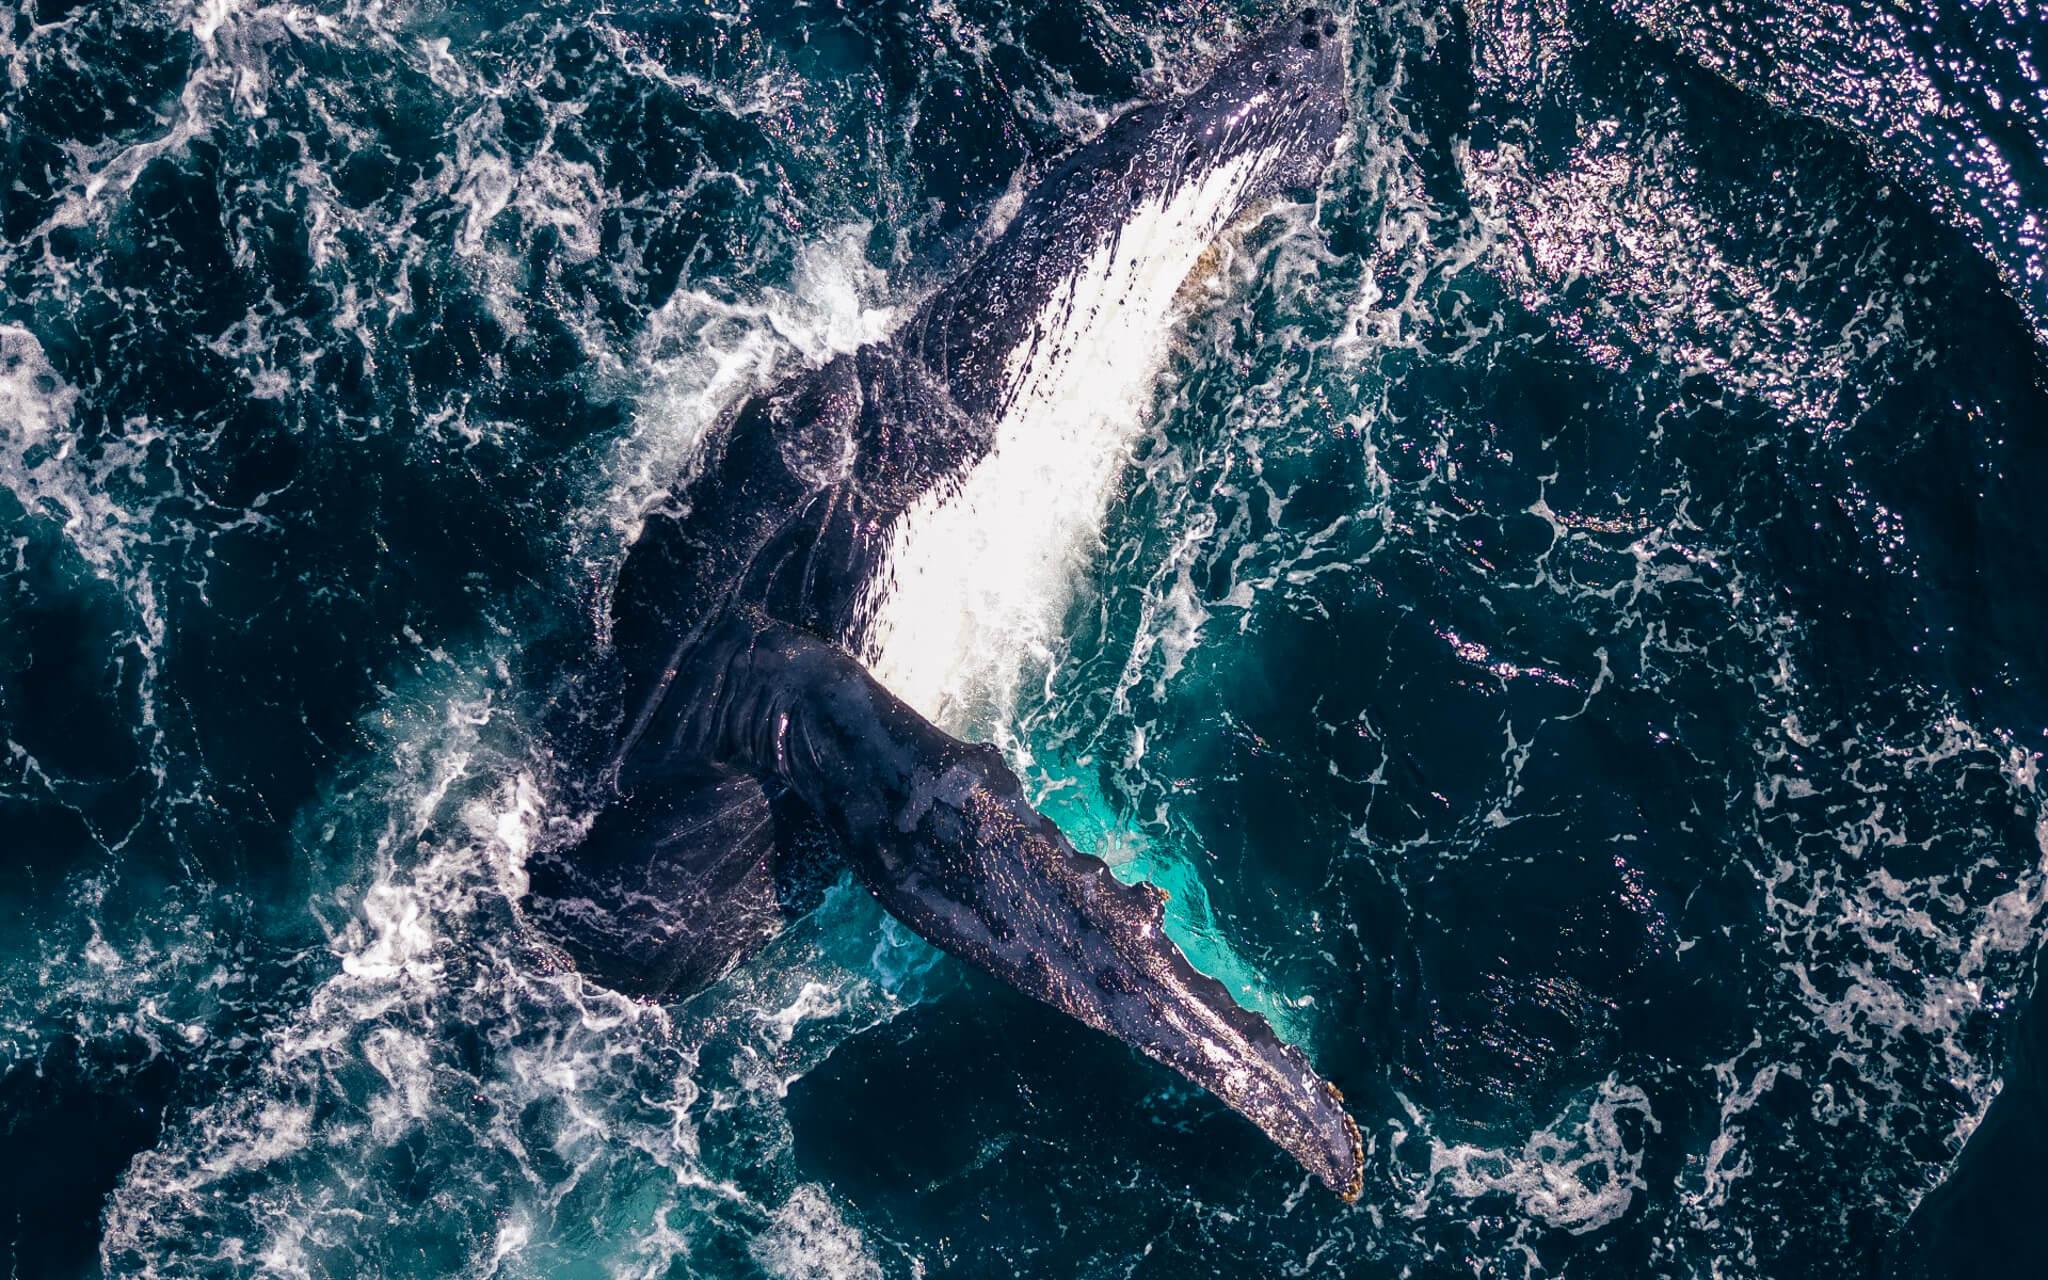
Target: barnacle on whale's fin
[[940, 832]]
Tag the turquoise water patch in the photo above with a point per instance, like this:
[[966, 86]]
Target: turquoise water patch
[[1073, 800]]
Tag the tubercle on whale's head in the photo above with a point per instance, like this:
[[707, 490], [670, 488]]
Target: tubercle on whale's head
[[1284, 94]]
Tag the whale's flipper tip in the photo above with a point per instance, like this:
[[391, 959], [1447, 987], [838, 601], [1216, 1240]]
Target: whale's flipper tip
[[1352, 1186]]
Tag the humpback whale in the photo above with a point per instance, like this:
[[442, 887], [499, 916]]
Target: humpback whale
[[759, 620]]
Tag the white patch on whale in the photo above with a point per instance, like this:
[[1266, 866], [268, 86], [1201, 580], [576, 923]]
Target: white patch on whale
[[979, 573]]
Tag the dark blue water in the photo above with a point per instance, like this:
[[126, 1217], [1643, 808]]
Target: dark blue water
[[1571, 639]]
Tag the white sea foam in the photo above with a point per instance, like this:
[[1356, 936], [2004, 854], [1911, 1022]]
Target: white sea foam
[[811, 1240], [56, 475], [1577, 1174], [230, 73], [37, 462]]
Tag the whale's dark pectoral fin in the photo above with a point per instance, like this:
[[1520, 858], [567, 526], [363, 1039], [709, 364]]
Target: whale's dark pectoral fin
[[672, 886], [940, 832]]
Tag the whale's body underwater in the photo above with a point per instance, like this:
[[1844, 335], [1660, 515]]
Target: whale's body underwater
[[846, 513]]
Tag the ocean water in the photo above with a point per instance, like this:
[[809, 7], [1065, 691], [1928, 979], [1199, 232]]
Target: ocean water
[[1570, 638]]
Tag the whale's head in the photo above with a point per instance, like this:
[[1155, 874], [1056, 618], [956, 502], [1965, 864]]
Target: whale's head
[[1264, 124], [1278, 102], [1118, 224]]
